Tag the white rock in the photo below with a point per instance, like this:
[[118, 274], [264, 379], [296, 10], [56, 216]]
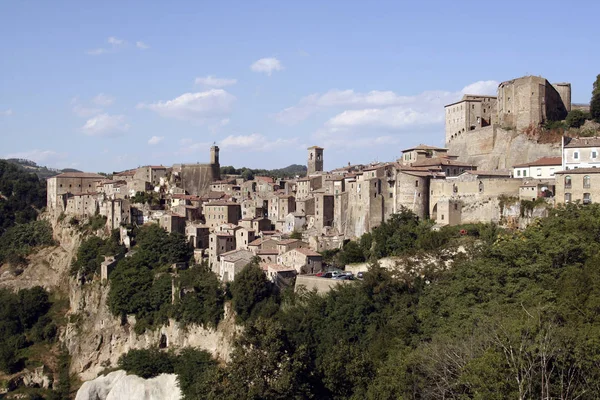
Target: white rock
[[120, 386]]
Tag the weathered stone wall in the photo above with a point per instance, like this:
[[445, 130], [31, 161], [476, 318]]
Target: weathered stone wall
[[196, 178], [493, 148]]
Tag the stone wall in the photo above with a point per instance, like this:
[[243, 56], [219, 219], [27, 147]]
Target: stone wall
[[493, 148], [196, 178]]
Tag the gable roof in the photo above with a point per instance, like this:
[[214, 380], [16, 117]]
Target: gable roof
[[540, 162]]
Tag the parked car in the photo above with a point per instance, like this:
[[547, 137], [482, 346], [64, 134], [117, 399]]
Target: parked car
[[320, 273], [327, 275], [345, 277], [360, 275]]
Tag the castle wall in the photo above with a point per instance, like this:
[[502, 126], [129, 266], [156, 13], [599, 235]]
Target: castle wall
[[196, 178], [493, 148], [564, 91]]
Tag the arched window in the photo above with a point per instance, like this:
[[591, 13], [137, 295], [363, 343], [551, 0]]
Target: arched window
[[568, 182], [586, 182]]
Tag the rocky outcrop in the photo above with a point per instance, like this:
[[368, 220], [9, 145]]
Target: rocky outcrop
[[492, 148], [96, 339], [120, 386]]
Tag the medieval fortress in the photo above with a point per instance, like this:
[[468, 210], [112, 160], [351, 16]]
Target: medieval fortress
[[491, 164]]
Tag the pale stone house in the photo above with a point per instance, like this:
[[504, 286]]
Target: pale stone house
[[303, 260], [232, 262], [578, 185], [69, 182], [581, 153], [221, 212], [543, 168]]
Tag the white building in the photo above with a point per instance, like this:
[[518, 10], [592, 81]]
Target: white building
[[232, 262], [581, 153], [544, 168]]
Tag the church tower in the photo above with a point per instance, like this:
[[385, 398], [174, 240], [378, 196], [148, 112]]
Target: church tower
[[214, 162], [315, 159]]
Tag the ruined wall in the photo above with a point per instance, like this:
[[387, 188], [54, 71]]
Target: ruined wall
[[493, 148]]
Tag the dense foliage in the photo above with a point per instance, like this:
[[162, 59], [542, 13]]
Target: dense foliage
[[22, 194], [405, 234], [194, 368], [515, 317], [141, 284], [576, 118], [23, 322], [91, 253], [18, 241], [252, 294], [595, 101], [288, 172]]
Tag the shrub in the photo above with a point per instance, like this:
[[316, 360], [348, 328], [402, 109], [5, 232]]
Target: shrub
[[576, 118], [147, 363]]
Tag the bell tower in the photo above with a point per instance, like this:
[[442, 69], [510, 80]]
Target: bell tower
[[315, 159]]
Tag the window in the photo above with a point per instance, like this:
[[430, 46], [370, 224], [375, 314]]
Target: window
[[587, 198], [576, 155], [594, 154], [539, 172], [518, 172], [567, 197], [524, 172], [391, 195], [455, 206], [416, 183], [568, 182], [586, 182]]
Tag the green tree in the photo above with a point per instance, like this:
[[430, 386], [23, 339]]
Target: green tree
[[595, 101], [250, 290], [147, 363], [576, 118]]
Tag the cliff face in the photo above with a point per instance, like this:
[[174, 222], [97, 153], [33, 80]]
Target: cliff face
[[96, 339], [120, 386], [493, 148]]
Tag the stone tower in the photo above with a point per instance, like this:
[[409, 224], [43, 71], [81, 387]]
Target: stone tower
[[315, 159], [214, 162]]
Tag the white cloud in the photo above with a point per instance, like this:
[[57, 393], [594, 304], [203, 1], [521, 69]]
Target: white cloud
[[489, 88], [198, 106], [103, 100], [105, 125], [155, 140], [391, 117], [37, 155], [85, 112], [214, 81], [267, 65], [141, 45], [255, 142], [7, 113], [115, 42]]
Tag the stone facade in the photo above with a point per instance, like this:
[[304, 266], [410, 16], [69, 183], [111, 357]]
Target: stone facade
[[578, 185], [470, 113], [315, 159], [581, 153], [69, 182]]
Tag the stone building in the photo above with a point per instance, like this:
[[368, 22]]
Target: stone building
[[173, 223], [81, 204], [543, 168], [470, 113], [578, 185], [69, 182], [232, 262], [303, 260], [221, 212], [581, 153], [531, 101], [116, 211], [315, 160], [196, 178], [151, 173]]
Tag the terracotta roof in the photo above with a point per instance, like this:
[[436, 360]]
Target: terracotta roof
[[424, 147], [544, 161], [156, 167], [307, 252], [236, 255], [373, 167], [78, 175], [276, 267], [130, 172], [583, 142], [266, 179], [288, 241]]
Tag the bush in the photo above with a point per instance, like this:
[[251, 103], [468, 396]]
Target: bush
[[20, 240], [251, 292], [576, 118], [147, 363]]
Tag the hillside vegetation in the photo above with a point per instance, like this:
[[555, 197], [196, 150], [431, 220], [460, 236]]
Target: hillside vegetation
[[288, 172], [518, 317]]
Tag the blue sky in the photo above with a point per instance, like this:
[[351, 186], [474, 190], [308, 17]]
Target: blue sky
[[111, 85]]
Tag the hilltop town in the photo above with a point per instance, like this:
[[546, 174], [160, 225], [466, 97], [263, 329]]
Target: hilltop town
[[492, 169]]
